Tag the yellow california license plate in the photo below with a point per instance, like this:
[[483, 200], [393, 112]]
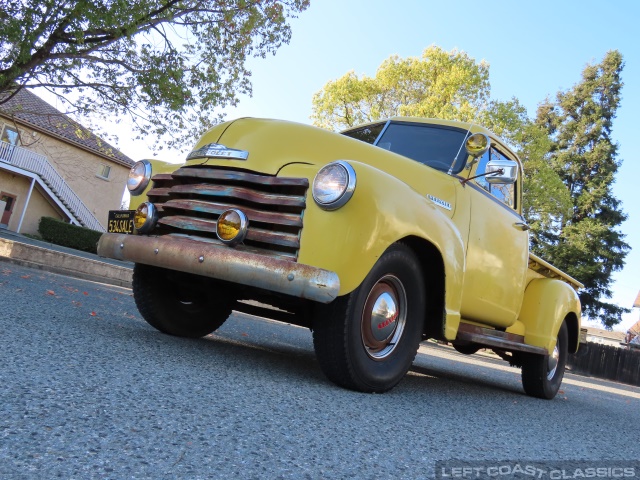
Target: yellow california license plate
[[120, 221]]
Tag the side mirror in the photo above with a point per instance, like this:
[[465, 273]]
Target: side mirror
[[477, 144], [501, 171]]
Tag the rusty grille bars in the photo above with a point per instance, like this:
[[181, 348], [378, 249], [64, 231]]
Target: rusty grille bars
[[191, 199]]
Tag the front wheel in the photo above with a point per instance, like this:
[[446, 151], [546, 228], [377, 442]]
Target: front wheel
[[179, 304], [368, 339], [542, 374]]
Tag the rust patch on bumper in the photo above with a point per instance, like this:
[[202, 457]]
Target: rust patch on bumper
[[223, 263]]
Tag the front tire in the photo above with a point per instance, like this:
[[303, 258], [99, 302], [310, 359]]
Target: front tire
[[367, 340], [182, 306], [542, 374]]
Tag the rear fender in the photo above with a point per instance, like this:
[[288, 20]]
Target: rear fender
[[547, 302]]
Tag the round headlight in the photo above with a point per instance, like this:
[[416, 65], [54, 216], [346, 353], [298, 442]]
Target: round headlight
[[333, 185], [145, 217], [139, 177]]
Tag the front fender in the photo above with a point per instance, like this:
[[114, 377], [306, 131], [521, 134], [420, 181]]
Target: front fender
[[382, 211], [546, 304]]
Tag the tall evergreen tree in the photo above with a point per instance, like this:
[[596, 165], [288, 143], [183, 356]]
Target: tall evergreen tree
[[588, 244]]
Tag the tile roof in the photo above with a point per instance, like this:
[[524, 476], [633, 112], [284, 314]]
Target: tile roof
[[29, 109], [600, 332]]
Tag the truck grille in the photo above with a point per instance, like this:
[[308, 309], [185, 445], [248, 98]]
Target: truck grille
[[191, 199]]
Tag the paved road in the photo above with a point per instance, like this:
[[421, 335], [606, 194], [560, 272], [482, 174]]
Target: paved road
[[88, 390]]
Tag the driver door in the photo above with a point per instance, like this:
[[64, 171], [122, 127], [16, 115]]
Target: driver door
[[497, 250]]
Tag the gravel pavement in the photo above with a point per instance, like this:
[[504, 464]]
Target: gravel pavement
[[89, 390]]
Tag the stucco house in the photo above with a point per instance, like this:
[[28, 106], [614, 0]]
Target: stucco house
[[605, 337], [633, 334], [52, 166]]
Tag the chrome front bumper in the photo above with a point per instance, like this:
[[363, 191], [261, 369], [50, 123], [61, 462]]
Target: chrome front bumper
[[223, 263]]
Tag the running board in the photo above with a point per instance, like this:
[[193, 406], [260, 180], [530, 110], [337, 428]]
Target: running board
[[496, 339]]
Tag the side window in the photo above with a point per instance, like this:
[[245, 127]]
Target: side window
[[104, 171], [482, 167], [503, 192], [10, 135]]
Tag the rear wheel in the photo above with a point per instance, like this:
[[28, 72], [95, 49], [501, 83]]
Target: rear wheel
[[179, 304], [367, 340], [542, 374]]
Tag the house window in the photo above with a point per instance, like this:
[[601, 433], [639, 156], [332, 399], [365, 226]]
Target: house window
[[104, 171], [10, 135]]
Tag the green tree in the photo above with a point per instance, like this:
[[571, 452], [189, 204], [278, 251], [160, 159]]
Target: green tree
[[440, 84], [546, 199], [453, 86], [568, 156], [167, 64], [588, 244]]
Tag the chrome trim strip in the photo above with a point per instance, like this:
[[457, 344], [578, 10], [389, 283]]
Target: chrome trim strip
[[439, 202], [223, 263]]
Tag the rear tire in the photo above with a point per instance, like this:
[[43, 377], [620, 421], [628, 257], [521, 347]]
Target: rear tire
[[368, 339], [542, 374], [176, 308]]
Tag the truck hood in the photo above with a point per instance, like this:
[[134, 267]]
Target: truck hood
[[272, 144]]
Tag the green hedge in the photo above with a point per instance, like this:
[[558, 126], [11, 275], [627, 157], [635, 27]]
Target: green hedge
[[67, 235]]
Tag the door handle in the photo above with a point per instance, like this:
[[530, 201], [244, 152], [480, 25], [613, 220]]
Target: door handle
[[522, 226]]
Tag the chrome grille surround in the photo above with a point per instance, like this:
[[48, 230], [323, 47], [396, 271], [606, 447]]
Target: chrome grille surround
[[190, 200]]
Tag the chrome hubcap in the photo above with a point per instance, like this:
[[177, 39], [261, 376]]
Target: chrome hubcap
[[553, 363], [384, 317]]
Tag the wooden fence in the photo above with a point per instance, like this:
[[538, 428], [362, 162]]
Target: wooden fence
[[607, 362]]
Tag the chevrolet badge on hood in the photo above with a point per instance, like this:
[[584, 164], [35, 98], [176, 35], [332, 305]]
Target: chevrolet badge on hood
[[216, 150]]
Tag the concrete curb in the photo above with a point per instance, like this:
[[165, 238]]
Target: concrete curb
[[64, 263]]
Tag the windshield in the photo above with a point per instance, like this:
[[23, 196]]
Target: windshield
[[433, 145]]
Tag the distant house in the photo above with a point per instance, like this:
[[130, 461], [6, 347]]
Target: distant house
[[605, 337], [52, 166], [633, 334]]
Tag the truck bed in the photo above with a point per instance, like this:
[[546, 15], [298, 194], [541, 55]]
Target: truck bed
[[545, 269]]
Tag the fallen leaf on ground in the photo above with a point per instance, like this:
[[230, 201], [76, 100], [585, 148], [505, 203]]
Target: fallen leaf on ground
[[50, 292], [25, 276]]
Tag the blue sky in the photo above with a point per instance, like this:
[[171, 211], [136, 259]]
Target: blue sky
[[535, 49]]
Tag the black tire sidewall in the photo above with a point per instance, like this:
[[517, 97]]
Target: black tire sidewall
[[155, 299], [552, 386], [534, 369], [383, 374]]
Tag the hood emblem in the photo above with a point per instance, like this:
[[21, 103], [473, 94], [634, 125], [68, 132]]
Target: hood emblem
[[217, 150]]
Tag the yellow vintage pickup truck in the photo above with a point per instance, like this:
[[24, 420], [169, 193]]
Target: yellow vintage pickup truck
[[376, 239]]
